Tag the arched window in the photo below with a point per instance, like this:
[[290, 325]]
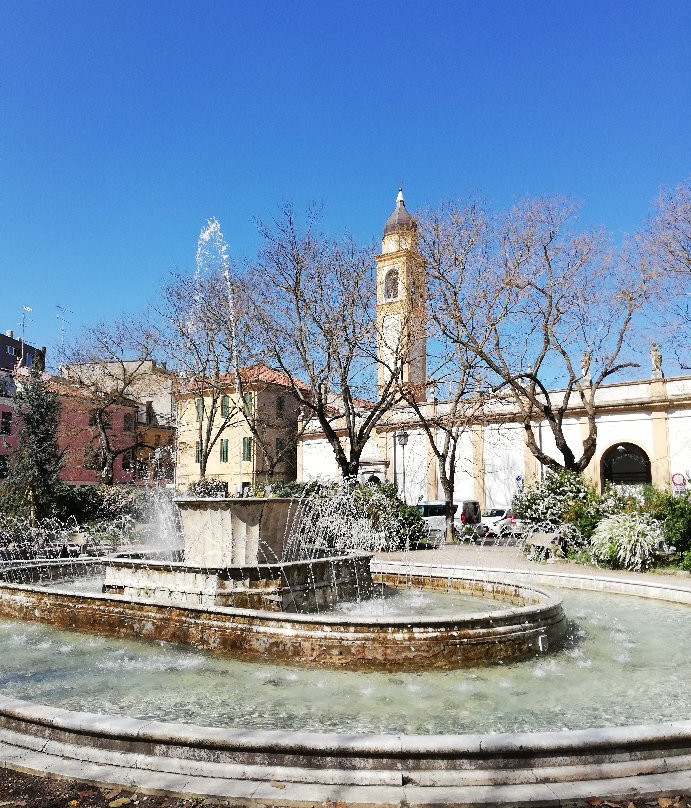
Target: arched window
[[391, 284], [625, 464]]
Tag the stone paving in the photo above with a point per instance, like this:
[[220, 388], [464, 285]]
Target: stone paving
[[491, 556]]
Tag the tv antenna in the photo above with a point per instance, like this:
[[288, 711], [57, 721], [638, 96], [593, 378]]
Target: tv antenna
[[63, 311]]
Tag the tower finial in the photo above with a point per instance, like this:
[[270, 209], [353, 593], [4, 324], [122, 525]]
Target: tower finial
[[399, 199]]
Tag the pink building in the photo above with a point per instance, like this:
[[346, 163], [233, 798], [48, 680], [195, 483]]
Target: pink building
[[9, 427], [79, 438]]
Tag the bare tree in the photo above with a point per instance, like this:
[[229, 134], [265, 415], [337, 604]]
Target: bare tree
[[665, 246], [453, 406], [668, 235], [315, 318], [546, 310], [192, 330]]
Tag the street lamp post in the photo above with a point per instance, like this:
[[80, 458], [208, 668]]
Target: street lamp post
[[402, 438]]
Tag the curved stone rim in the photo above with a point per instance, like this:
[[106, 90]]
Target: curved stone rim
[[545, 601], [118, 727]]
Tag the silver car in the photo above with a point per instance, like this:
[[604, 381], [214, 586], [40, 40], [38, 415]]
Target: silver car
[[500, 522]]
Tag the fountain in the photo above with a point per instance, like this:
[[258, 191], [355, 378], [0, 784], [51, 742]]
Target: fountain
[[224, 595], [372, 695]]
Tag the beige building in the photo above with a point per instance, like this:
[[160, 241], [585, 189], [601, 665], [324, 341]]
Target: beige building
[[249, 438]]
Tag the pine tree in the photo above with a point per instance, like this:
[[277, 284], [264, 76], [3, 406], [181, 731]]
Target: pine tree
[[33, 479]]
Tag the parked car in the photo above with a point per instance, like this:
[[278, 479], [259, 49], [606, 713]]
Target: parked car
[[433, 516], [500, 522], [466, 512]]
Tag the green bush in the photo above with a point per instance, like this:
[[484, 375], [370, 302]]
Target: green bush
[[675, 515], [90, 503], [208, 487]]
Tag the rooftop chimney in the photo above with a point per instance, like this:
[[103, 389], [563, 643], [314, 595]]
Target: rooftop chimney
[[9, 334]]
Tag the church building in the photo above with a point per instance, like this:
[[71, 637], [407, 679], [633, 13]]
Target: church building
[[643, 427]]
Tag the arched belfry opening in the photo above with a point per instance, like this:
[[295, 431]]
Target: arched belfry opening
[[391, 282], [625, 464]]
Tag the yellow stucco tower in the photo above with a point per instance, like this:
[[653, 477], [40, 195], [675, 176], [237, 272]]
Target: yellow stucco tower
[[401, 302]]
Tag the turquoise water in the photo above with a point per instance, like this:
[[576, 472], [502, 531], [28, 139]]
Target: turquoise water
[[626, 661]]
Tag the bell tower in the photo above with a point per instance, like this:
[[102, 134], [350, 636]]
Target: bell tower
[[401, 302]]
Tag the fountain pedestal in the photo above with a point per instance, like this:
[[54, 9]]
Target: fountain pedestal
[[296, 586], [227, 532]]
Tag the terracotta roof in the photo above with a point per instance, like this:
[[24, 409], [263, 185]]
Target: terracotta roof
[[255, 374]]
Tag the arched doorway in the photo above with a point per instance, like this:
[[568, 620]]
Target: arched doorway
[[625, 464]]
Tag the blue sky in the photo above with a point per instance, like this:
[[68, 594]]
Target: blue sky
[[125, 125]]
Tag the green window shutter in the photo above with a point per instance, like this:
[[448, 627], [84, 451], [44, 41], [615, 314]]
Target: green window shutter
[[247, 448], [225, 406], [224, 450], [248, 400], [200, 408], [198, 452]]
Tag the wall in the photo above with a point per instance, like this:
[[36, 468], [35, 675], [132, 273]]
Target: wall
[[75, 436]]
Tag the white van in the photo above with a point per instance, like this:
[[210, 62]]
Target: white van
[[465, 513]]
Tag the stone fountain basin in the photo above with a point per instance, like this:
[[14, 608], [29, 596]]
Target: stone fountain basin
[[302, 768], [532, 623]]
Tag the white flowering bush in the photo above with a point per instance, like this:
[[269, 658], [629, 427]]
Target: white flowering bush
[[619, 498], [627, 540], [548, 500]]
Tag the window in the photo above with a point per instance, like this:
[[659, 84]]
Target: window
[[127, 460], [4, 466], [149, 412], [247, 448], [225, 406], [10, 350], [200, 408], [248, 403], [626, 464], [224, 450], [29, 359], [106, 419], [6, 423], [391, 285], [128, 422], [157, 440], [198, 452], [280, 406]]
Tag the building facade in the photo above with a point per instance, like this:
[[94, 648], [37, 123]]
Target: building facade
[[149, 384], [16, 353], [78, 437], [252, 435]]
